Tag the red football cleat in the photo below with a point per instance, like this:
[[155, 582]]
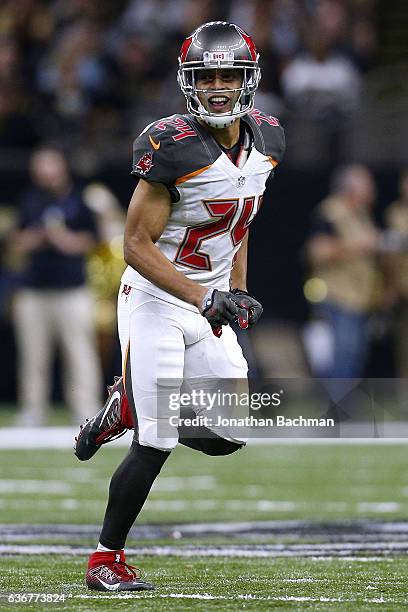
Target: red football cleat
[[108, 571]]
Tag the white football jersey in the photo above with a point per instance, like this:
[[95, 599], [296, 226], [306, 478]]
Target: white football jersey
[[214, 201]]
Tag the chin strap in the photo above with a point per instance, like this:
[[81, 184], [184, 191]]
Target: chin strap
[[221, 121], [218, 122]]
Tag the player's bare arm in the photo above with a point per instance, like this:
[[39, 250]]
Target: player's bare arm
[[238, 284], [238, 278], [147, 216]]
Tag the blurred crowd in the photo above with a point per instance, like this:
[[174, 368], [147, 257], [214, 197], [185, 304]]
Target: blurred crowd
[[357, 276], [91, 73]]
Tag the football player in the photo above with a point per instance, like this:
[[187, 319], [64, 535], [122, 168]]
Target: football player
[[201, 177]]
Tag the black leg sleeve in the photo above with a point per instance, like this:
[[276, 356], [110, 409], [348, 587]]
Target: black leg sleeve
[[205, 440], [129, 488], [211, 446]]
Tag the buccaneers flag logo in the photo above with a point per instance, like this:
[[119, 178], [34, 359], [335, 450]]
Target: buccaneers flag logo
[[145, 164]]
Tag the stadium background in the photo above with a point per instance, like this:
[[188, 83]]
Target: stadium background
[[88, 76]]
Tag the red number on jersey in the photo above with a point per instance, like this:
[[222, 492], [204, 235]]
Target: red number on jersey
[[181, 126], [259, 117], [189, 253], [240, 228]]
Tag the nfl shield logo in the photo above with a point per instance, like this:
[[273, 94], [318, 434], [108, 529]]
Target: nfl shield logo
[[241, 182]]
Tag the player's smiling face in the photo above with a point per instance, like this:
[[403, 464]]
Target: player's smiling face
[[213, 80]]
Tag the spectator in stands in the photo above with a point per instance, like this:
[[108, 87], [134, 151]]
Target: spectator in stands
[[396, 219], [56, 231], [156, 18], [321, 83], [74, 75], [321, 87], [341, 252]]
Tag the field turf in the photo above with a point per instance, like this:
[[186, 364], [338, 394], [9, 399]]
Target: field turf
[[223, 584], [314, 483], [317, 482]]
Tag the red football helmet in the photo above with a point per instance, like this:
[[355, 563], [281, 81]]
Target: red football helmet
[[219, 44]]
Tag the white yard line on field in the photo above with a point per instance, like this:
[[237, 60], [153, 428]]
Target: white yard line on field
[[63, 437], [300, 580], [321, 551], [19, 488], [382, 507], [246, 597], [356, 530], [80, 474], [46, 437], [50, 487]]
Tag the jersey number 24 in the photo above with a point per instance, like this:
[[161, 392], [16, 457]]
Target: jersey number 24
[[223, 212]]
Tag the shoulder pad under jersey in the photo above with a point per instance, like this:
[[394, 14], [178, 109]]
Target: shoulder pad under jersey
[[269, 136], [169, 149]]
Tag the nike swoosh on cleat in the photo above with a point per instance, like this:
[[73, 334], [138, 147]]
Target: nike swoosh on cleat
[[115, 396], [110, 587], [155, 145]]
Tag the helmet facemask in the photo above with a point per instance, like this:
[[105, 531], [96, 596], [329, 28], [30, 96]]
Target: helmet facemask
[[187, 79]]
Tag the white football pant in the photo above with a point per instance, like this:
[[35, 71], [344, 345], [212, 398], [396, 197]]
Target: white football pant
[[165, 342]]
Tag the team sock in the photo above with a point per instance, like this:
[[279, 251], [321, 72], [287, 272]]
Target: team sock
[[101, 548], [129, 488]]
